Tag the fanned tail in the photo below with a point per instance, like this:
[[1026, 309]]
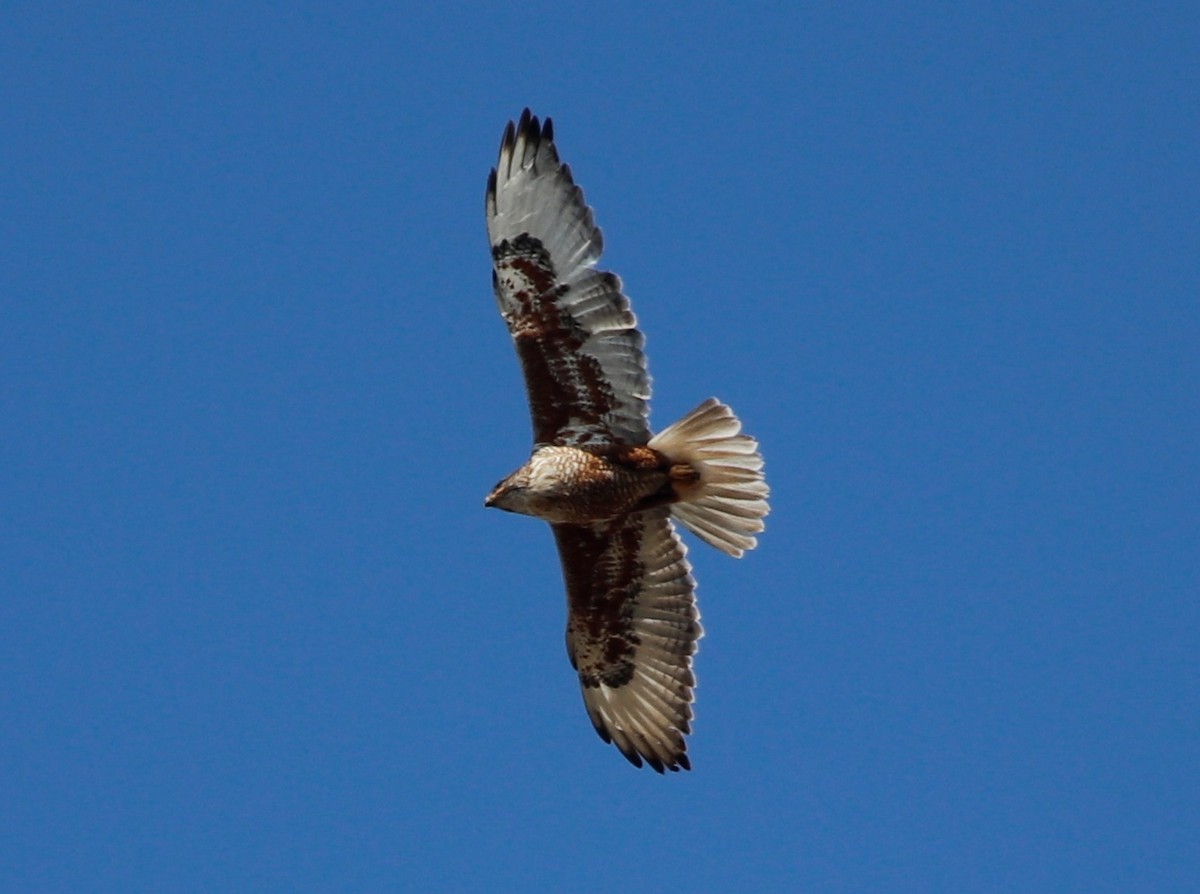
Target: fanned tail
[[718, 479]]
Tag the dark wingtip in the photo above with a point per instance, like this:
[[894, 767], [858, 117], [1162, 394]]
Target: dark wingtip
[[528, 126], [677, 763], [638, 759], [533, 130], [507, 142], [490, 195]]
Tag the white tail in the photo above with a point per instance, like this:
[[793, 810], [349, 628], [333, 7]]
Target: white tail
[[725, 506]]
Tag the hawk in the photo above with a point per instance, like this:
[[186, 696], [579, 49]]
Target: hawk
[[608, 487]]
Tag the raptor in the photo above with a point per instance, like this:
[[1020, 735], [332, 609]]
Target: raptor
[[610, 489]]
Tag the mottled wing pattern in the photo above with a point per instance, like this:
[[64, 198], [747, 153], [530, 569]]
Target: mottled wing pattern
[[574, 331], [632, 630]]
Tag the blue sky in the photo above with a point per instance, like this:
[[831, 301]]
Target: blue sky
[[257, 632]]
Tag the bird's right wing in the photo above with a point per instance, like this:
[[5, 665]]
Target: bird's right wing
[[632, 630]]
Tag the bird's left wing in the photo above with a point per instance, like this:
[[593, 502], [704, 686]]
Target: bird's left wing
[[577, 338], [632, 630]]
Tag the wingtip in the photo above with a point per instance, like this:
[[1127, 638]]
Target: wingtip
[[533, 129], [504, 161], [529, 127], [630, 751], [676, 762], [489, 197], [639, 758]]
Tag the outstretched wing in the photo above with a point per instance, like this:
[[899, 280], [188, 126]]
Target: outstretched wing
[[574, 331], [632, 630]]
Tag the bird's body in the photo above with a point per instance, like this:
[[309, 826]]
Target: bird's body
[[607, 486], [576, 485]]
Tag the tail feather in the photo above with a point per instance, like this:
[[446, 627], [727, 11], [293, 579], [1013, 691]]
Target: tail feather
[[726, 504]]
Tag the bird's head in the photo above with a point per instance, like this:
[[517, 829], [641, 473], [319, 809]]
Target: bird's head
[[511, 493]]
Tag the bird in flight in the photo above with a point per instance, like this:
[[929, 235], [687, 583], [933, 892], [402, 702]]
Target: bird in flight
[[609, 488]]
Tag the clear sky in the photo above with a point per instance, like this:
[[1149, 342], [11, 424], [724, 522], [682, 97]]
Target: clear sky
[[257, 632]]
